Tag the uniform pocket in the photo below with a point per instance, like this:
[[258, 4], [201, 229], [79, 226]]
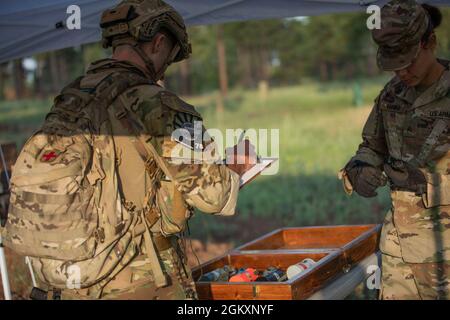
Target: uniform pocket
[[389, 242], [438, 191], [423, 233], [174, 212]]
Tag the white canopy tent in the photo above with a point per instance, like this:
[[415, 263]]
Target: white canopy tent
[[29, 26]]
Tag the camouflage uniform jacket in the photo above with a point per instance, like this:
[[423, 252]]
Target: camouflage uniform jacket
[[205, 185], [414, 128], [208, 186], [86, 189]]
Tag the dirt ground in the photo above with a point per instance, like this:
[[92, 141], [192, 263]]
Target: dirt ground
[[205, 251]]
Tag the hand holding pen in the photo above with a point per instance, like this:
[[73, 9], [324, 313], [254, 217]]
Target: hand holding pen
[[242, 157]]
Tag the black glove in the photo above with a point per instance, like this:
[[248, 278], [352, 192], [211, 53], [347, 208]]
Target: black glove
[[365, 179], [405, 177]]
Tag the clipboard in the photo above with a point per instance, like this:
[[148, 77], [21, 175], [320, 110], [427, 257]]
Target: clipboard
[[260, 166]]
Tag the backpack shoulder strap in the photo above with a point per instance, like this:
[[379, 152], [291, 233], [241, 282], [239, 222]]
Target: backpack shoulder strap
[[146, 150], [107, 91]]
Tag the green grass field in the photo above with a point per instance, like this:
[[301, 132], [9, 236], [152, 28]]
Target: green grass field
[[320, 130]]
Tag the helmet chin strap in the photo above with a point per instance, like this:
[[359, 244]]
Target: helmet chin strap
[[150, 66], [151, 72]]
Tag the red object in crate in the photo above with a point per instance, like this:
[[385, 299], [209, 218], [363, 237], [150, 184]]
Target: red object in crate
[[248, 275]]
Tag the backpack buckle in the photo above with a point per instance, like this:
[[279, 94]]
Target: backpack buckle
[[99, 235], [38, 294], [122, 112]]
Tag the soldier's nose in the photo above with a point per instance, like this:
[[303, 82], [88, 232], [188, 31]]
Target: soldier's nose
[[402, 73]]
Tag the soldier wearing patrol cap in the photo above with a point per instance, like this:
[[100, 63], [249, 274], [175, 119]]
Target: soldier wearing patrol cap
[[110, 135], [406, 144]]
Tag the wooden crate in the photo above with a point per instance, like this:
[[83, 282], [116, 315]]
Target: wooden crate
[[336, 249], [328, 237]]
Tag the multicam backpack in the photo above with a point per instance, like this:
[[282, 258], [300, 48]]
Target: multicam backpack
[[66, 210]]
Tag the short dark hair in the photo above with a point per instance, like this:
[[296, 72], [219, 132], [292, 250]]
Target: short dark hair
[[435, 20]]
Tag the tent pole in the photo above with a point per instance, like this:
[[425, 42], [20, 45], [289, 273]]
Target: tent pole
[[3, 266]]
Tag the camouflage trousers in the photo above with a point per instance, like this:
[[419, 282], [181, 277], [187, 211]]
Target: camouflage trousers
[[414, 281], [411, 237], [135, 281]]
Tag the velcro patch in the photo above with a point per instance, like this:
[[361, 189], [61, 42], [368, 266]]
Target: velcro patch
[[50, 156]]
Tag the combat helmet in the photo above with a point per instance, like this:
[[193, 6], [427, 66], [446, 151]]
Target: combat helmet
[[135, 21]]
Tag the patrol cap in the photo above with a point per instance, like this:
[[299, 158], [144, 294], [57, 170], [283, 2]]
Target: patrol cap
[[403, 25]]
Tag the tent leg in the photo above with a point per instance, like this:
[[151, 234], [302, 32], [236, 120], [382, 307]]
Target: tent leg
[[3, 266], [4, 272]]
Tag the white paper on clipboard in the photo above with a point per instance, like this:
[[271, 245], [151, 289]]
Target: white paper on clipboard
[[259, 167]]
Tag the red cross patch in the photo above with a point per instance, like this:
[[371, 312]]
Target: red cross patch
[[49, 156]]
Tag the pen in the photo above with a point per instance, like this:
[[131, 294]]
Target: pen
[[241, 137]]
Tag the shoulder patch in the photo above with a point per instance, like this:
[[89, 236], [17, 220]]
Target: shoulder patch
[[50, 155], [172, 101], [192, 133], [184, 121]]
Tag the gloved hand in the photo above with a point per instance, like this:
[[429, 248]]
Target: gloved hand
[[365, 179], [404, 176]]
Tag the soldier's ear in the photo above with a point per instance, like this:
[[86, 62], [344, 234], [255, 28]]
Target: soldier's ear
[[158, 43], [431, 43]]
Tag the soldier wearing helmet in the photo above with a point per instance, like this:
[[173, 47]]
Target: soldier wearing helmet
[[135, 23], [406, 143], [146, 37]]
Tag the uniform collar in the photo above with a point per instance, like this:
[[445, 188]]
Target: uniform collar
[[435, 92], [113, 63], [406, 93]]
